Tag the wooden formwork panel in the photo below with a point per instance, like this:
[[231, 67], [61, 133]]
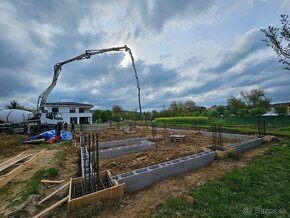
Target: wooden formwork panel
[[116, 191], [12, 174]]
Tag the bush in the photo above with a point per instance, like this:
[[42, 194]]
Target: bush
[[181, 120], [281, 110], [214, 113], [258, 111]]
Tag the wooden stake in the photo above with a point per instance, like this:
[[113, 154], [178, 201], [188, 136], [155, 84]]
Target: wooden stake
[[42, 213], [52, 181], [53, 193]]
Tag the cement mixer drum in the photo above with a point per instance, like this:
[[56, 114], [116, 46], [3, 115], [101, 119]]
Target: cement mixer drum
[[14, 115]]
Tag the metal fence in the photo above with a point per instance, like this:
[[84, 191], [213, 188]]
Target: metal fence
[[270, 121]]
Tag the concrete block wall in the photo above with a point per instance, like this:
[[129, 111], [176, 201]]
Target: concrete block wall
[[225, 135], [243, 146], [85, 165], [123, 150], [228, 135], [116, 143], [144, 177]]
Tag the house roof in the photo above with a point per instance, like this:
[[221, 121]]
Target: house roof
[[68, 104], [282, 103]]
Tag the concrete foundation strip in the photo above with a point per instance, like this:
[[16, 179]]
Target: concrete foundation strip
[[117, 143], [123, 150], [228, 135], [243, 146], [144, 177]]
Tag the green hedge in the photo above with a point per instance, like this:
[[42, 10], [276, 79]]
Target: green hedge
[[249, 121], [182, 120]]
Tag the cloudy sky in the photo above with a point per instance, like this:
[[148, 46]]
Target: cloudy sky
[[201, 50]]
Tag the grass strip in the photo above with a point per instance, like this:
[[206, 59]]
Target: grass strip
[[261, 189]]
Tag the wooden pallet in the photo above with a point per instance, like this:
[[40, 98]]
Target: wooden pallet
[[177, 138], [19, 169]]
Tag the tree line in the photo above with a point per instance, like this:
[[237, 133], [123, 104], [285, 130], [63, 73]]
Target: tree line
[[253, 102]]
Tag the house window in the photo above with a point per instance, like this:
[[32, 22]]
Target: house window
[[81, 110], [74, 119], [72, 110], [55, 109]]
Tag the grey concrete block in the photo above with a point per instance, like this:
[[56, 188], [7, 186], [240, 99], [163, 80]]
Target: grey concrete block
[[243, 146], [228, 135], [123, 150], [144, 177], [122, 142]]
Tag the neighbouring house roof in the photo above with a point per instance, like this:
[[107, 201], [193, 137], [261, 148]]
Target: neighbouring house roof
[[212, 107], [282, 103], [74, 104]]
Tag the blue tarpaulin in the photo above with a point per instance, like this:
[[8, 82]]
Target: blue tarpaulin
[[51, 133]]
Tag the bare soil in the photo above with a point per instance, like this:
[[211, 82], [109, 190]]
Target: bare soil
[[164, 151]]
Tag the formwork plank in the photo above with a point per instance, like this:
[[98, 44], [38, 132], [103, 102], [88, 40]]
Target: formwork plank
[[53, 193], [44, 212], [52, 181], [13, 161], [115, 191], [12, 174]]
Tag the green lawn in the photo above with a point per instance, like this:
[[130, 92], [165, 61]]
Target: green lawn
[[261, 189]]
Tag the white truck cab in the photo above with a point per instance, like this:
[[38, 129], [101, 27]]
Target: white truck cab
[[51, 118]]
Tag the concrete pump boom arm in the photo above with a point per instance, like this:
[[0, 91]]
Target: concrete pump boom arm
[[87, 55]]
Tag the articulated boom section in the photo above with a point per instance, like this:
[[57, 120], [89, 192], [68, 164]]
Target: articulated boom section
[[87, 55]]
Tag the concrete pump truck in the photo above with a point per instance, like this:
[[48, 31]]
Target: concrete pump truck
[[20, 121]]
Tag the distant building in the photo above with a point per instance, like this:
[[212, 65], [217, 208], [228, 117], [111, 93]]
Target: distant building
[[212, 108], [287, 104], [72, 111], [199, 108]]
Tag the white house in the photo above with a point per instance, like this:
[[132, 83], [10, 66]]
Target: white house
[[72, 111]]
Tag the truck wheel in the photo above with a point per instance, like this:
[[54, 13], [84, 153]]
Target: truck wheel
[[7, 131], [43, 129], [32, 131]]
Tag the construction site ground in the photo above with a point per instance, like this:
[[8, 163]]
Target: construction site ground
[[65, 158], [164, 151]]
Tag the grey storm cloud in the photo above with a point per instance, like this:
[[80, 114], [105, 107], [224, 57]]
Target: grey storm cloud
[[155, 14], [255, 73], [249, 43], [11, 83]]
